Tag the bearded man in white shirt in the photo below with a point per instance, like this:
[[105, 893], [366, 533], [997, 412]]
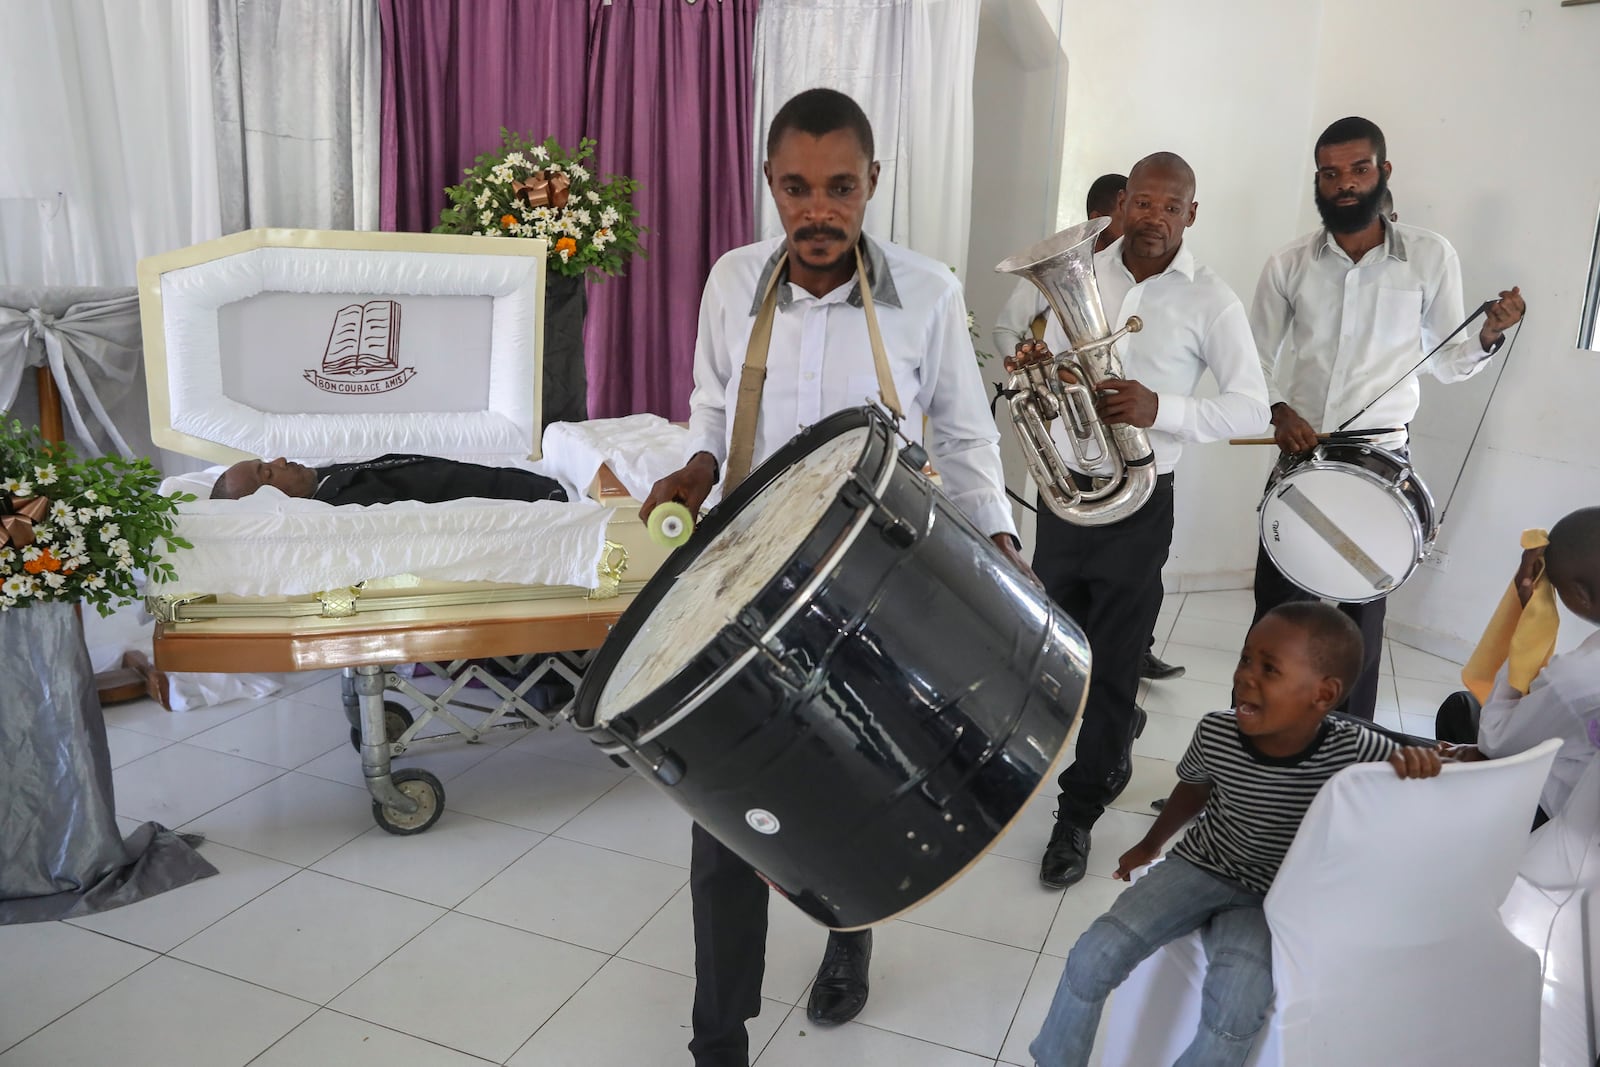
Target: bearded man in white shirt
[[1108, 578], [821, 173], [1341, 314]]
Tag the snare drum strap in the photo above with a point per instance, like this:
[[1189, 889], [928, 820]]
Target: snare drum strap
[[753, 377]]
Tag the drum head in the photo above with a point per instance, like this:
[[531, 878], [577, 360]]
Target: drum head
[[729, 572], [1340, 532]]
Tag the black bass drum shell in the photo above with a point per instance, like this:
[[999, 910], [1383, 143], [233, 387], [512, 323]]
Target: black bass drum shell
[[878, 714]]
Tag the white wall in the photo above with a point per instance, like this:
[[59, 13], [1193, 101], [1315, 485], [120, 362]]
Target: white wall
[[1228, 87], [1488, 108]]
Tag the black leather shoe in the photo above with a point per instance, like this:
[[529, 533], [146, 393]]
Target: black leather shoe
[[1154, 668], [840, 991], [1066, 857]]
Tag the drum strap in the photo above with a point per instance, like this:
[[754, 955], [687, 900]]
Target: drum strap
[[753, 377]]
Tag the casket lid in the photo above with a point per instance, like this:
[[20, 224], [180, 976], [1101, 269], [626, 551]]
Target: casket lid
[[333, 345]]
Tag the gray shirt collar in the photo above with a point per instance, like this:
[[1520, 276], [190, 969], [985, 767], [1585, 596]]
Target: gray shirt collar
[[883, 288]]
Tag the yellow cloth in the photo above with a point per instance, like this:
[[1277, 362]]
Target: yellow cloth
[[1526, 636]]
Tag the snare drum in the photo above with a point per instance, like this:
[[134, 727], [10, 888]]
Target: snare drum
[[841, 678], [1347, 522]]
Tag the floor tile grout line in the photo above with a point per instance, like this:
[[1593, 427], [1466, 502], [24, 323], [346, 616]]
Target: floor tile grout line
[[28, 1036], [186, 963], [570, 997], [755, 1061]]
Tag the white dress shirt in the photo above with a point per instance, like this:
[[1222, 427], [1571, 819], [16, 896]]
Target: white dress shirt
[[1333, 334], [1563, 702], [1015, 322], [820, 361], [1192, 323]]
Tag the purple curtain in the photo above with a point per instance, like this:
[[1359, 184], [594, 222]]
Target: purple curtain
[[665, 87], [454, 72], [671, 102]]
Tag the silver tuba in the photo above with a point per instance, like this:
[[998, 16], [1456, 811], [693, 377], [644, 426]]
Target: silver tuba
[[1063, 268]]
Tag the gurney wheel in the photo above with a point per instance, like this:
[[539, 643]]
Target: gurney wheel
[[420, 786], [396, 721]]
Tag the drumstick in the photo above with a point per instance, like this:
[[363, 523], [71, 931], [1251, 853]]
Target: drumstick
[[1337, 435]]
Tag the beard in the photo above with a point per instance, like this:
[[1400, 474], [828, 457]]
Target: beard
[[1351, 218]]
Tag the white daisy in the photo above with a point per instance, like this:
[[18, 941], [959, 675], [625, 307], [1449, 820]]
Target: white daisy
[[538, 152], [15, 586], [53, 580], [109, 530], [94, 581], [88, 494], [45, 475], [61, 511], [579, 172]]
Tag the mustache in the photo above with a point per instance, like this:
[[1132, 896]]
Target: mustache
[[812, 233]]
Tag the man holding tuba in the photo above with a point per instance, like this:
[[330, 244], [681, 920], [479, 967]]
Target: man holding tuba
[[1108, 577]]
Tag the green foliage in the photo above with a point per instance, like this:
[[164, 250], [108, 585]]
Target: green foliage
[[107, 520], [596, 232]]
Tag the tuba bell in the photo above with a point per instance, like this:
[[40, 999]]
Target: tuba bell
[[1123, 466]]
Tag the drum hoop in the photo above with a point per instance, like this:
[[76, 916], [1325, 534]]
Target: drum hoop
[[1423, 540], [802, 598]]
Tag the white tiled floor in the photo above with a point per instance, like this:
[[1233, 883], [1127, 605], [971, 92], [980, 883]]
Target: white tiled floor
[[545, 919]]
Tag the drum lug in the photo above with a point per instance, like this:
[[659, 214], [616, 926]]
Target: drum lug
[[664, 764], [895, 530], [791, 675]]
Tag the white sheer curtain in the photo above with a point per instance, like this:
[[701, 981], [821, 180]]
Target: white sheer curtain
[[297, 95], [908, 63], [107, 150]]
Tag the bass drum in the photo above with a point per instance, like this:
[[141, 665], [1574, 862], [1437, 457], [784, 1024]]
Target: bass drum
[[1347, 522], [841, 679]]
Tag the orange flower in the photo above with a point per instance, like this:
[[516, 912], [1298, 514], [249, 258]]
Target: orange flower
[[44, 561], [567, 244], [508, 220]]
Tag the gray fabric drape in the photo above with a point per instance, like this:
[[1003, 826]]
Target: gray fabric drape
[[296, 92], [61, 853], [91, 345], [98, 332]]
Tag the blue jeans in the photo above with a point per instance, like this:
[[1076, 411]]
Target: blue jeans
[[1174, 898]]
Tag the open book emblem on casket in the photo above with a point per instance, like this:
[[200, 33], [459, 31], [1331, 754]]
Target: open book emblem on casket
[[363, 353]]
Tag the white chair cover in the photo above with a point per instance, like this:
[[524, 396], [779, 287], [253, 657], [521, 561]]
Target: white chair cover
[[1387, 946], [1553, 909]]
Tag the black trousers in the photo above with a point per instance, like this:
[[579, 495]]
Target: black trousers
[[1272, 589], [729, 901], [1108, 579]]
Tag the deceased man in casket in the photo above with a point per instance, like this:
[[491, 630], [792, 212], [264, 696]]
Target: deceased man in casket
[[386, 480]]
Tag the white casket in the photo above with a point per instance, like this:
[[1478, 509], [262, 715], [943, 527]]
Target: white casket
[[336, 347]]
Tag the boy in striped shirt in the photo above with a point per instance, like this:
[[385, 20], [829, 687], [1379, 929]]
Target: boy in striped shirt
[[1250, 774]]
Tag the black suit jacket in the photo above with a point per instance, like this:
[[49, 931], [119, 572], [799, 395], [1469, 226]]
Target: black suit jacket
[[426, 478]]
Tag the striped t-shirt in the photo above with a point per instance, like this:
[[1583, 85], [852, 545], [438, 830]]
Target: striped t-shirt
[[1257, 802]]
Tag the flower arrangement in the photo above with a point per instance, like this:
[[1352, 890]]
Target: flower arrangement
[[542, 190], [73, 529]]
